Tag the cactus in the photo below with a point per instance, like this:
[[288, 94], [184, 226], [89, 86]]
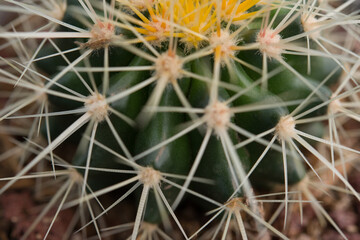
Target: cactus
[[213, 103]]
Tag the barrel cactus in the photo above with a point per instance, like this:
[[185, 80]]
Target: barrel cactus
[[209, 103]]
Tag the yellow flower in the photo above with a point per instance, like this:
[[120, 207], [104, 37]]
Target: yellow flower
[[190, 20], [228, 12], [196, 18]]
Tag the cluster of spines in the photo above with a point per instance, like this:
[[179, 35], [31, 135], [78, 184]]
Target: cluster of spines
[[205, 36]]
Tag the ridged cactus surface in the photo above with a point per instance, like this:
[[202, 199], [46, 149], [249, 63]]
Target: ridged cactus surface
[[225, 106]]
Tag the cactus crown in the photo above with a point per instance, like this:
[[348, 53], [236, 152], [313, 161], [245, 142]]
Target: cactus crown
[[206, 103]]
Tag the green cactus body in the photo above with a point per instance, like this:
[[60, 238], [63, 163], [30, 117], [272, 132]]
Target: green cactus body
[[173, 158], [138, 73], [130, 106], [214, 164]]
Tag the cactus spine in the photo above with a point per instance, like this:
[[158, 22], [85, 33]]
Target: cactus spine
[[210, 102]]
